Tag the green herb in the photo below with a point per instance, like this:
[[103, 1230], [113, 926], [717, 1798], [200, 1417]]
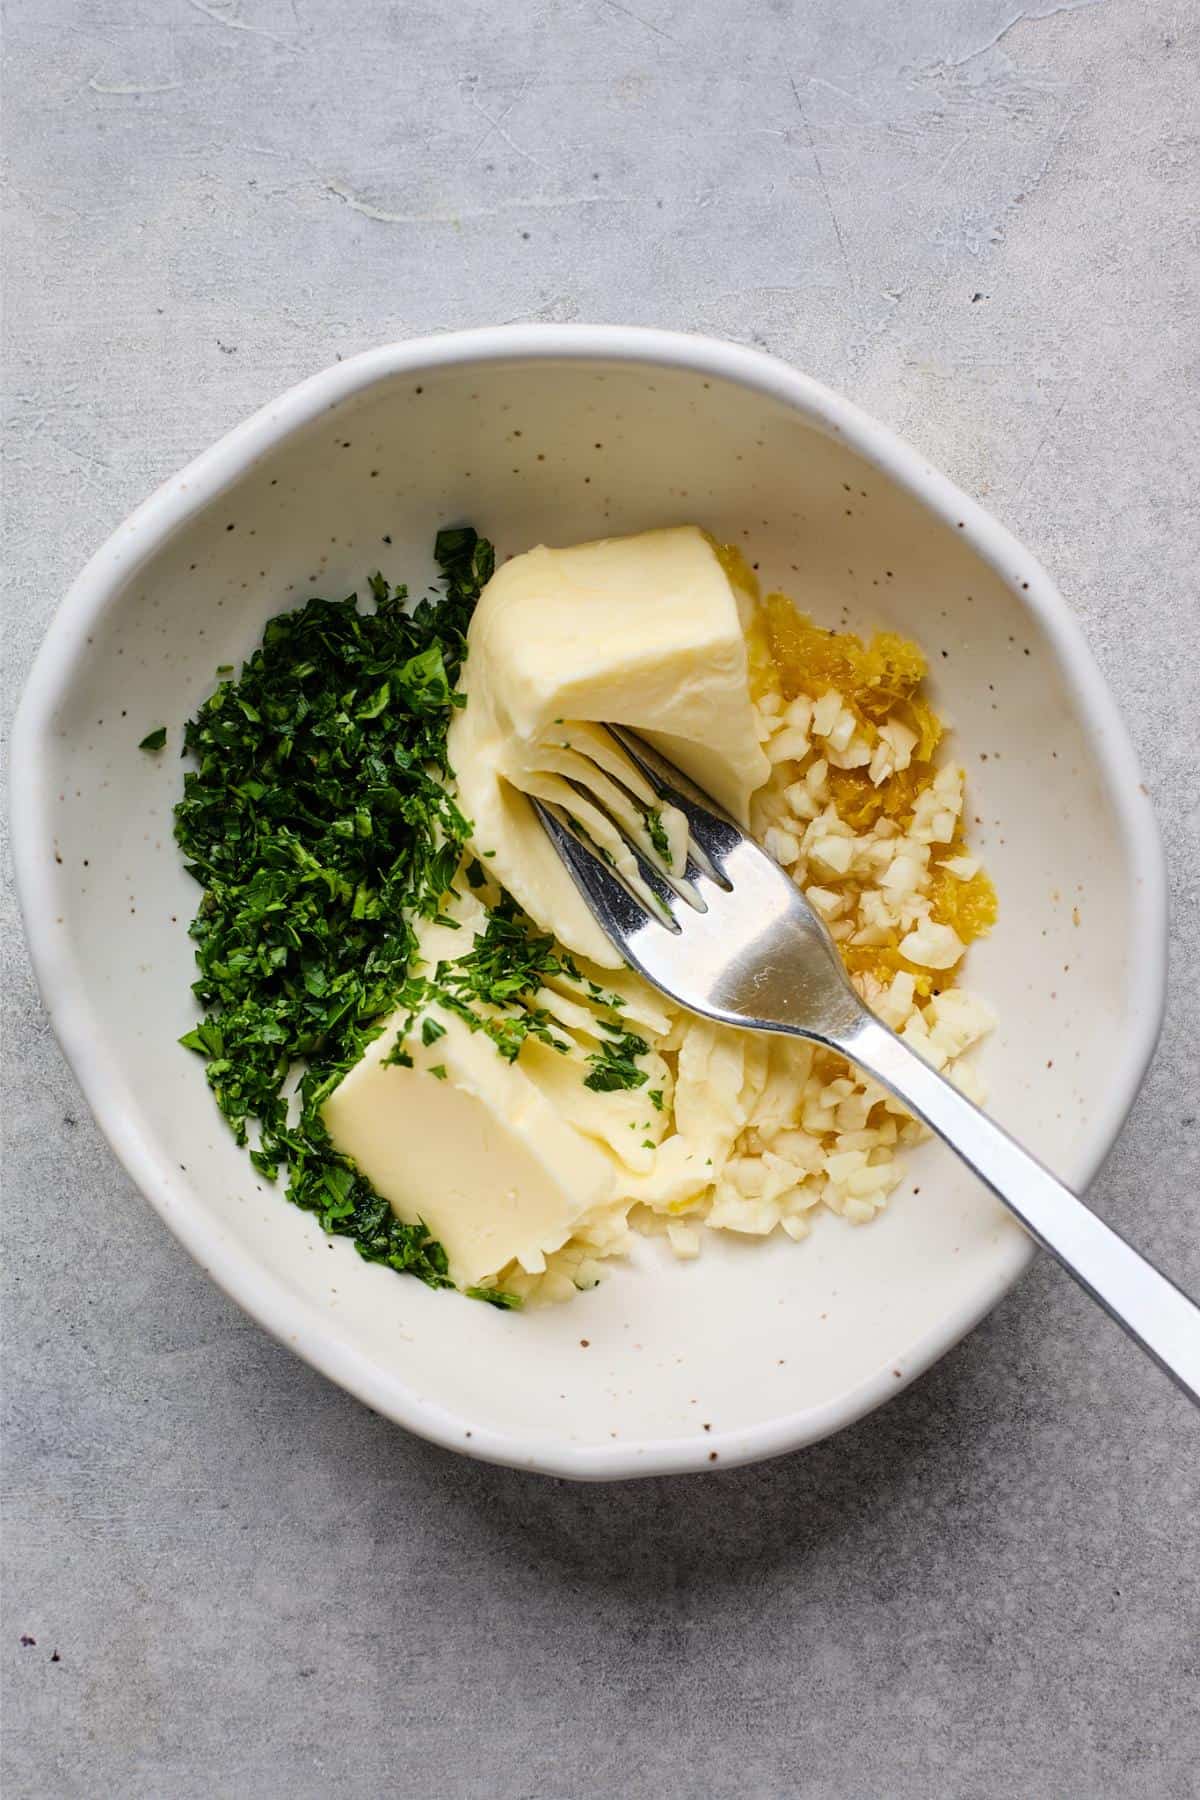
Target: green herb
[[154, 740], [438, 1071], [655, 1097], [613, 1001], [317, 820], [398, 1057], [658, 834], [431, 1031], [613, 1064], [494, 1297], [492, 986]]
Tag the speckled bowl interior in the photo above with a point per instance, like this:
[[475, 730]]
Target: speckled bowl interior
[[558, 435]]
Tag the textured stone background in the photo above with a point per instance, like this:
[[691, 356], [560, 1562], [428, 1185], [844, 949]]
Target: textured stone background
[[981, 222]]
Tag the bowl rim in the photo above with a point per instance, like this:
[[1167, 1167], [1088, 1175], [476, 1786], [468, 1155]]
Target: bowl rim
[[304, 1326]]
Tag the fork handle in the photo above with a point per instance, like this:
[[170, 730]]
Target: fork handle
[[1156, 1314]]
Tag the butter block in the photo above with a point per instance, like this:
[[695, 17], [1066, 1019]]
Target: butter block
[[642, 631], [478, 1152]]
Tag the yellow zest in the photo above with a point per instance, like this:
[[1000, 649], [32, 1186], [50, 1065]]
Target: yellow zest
[[969, 906], [879, 681]]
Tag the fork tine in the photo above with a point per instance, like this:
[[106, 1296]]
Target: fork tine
[[666, 887], [614, 788], [713, 833], [618, 910]]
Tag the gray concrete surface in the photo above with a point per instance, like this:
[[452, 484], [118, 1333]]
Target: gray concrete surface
[[980, 221]]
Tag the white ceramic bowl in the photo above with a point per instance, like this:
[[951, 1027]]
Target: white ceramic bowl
[[546, 433]]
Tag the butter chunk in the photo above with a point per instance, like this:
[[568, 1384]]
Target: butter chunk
[[478, 1153], [643, 631]]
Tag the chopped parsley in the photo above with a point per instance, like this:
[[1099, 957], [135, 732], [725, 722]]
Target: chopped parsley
[[657, 832], [154, 740], [492, 986], [494, 1297], [613, 1065], [318, 821]]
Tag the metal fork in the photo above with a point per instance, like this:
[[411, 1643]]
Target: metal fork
[[735, 940]]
